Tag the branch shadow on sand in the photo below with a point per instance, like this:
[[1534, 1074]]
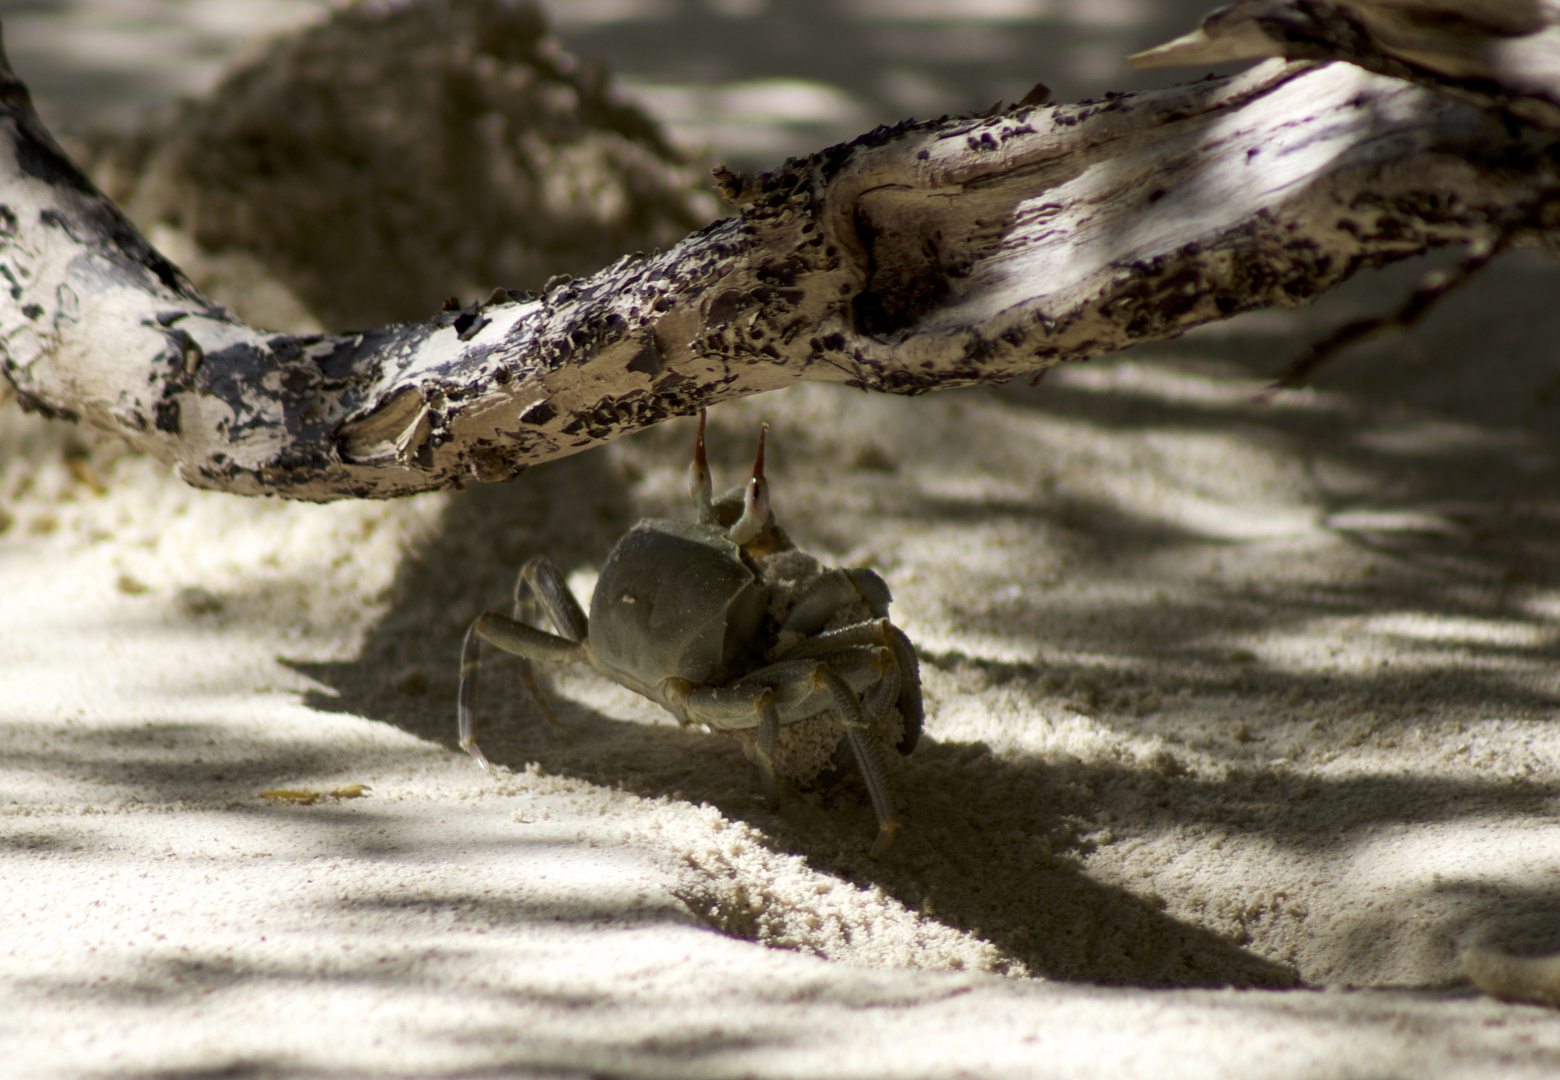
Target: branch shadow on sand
[[994, 843]]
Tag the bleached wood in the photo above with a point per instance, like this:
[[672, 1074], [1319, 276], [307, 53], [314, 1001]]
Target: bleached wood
[[924, 256]]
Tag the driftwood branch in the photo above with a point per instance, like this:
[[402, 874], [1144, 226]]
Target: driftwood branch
[[918, 257], [1435, 287]]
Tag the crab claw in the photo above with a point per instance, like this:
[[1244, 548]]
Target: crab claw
[[700, 485], [755, 501]]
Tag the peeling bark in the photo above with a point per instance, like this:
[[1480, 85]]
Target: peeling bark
[[918, 257]]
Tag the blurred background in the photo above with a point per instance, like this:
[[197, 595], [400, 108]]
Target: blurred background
[[746, 81]]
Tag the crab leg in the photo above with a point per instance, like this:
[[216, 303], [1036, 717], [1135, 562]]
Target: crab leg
[[466, 703], [859, 735], [539, 580], [861, 655], [885, 690], [879, 632], [768, 742], [733, 708], [514, 637], [548, 585], [729, 708], [805, 688], [911, 705]]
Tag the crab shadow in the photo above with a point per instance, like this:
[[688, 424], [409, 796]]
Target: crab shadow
[[574, 510], [992, 844]]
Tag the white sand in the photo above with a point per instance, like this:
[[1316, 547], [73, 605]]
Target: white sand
[[1188, 725], [1219, 695]]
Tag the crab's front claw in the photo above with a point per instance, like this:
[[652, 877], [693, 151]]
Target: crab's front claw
[[832, 591]]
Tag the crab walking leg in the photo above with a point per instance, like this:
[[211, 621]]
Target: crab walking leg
[[522, 640], [466, 701], [732, 708], [548, 585], [911, 705], [862, 657], [525, 599], [541, 580], [884, 690], [868, 757], [768, 742], [879, 632], [524, 612]]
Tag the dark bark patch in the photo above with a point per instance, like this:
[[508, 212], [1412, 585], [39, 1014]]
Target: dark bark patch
[[344, 355], [30, 404], [540, 413], [786, 272], [725, 307], [56, 220], [37, 154], [166, 416], [906, 279], [469, 323], [647, 361]]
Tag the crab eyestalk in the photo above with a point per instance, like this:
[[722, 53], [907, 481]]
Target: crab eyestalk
[[700, 486], [755, 501]]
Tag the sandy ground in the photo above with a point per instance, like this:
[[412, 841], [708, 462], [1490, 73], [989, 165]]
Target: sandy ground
[[1240, 729]]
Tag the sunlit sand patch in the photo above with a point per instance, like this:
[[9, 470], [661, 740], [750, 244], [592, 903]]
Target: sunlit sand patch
[[1415, 641], [1160, 381], [1461, 630], [759, 118]]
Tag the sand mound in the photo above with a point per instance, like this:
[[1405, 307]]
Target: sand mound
[[394, 155]]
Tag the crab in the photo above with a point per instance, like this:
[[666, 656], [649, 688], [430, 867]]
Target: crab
[[723, 622]]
